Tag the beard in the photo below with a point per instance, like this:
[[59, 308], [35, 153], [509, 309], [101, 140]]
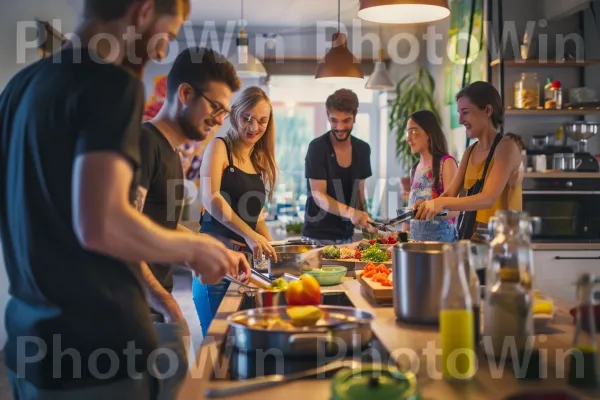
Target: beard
[[344, 138], [137, 55], [190, 131]]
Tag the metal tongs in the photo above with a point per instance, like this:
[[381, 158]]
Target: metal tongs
[[404, 214]]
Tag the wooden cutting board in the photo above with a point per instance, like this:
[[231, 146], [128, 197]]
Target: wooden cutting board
[[379, 293]]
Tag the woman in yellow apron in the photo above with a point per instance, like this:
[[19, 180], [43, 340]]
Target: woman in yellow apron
[[489, 171]]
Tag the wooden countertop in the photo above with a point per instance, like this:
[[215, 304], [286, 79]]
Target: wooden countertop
[[408, 345], [561, 174]]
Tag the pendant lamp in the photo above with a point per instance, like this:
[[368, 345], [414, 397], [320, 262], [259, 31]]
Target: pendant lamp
[[246, 65], [379, 79], [403, 11], [339, 65]]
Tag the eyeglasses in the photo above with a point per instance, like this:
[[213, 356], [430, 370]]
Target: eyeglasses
[[218, 110], [247, 119]]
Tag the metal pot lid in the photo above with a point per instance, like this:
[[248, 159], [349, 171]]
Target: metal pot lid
[[374, 381]]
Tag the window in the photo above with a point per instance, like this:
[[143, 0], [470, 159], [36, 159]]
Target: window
[[300, 116]]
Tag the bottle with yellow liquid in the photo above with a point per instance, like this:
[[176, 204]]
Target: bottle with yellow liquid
[[456, 319]]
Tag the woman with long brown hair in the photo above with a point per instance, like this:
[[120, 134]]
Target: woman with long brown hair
[[434, 170], [238, 174], [490, 170]]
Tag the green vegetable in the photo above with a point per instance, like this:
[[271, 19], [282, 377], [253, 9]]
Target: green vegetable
[[294, 227], [374, 254], [279, 284], [331, 252], [363, 246]]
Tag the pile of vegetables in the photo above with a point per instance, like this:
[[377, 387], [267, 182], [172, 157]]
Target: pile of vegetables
[[279, 284], [374, 254], [331, 252], [378, 273], [294, 227]]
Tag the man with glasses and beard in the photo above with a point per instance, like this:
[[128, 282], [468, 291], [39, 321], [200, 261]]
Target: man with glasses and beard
[[77, 320], [199, 89], [336, 167]]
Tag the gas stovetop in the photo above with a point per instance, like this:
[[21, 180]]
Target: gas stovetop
[[235, 365]]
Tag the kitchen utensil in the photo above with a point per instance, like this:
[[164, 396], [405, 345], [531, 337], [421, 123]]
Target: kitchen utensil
[[570, 162], [339, 325], [241, 284], [539, 142], [260, 280], [418, 270], [329, 275], [539, 163], [265, 382], [581, 131], [558, 162], [404, 214], [290, 260], [374, 381]]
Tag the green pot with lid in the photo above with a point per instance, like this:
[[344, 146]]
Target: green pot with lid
[[377, 381]]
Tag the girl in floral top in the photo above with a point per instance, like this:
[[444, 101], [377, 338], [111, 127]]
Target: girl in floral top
[[434, 170]]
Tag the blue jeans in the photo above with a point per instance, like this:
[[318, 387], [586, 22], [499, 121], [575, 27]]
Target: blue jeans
[[433, 231], [207, 299]]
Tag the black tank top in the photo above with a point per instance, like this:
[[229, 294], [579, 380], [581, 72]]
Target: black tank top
[[246, 195]]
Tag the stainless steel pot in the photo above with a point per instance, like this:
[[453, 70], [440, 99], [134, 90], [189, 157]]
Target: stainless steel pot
[[418, 269], [290, 259], [344, 326]]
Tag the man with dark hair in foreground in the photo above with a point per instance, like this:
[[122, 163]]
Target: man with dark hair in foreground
[[77, 322]]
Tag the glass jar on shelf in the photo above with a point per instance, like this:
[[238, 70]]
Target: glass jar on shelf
[[527, 91]]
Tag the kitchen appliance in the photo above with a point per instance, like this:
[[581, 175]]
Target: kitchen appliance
[[539, 142], [347, 325], [567, 208], [581, 131], [418, 270], [291, 259]]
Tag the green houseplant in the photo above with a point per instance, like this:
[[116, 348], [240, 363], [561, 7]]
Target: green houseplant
[[414, 92]]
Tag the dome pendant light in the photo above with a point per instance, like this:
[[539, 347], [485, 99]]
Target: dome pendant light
[[245, 64], [339, 65], [403, 11], [379, 79]]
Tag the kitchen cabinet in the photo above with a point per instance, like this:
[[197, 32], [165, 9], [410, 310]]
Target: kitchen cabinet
[[557, 271]]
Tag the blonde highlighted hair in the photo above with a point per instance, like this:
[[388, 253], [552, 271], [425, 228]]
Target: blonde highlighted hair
[[262, 155]]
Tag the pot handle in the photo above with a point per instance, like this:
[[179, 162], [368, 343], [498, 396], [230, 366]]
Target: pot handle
[[299, 339]]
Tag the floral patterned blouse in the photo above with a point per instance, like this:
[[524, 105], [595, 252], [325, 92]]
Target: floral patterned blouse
[[422, 189]]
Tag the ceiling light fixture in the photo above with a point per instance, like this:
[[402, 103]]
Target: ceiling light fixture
[[379, 79], [246, 65], [403, 11], [339, 65]]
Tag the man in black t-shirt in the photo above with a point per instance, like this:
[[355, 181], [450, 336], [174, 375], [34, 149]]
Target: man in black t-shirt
[[77, 321], [199, 89], [336, 167]]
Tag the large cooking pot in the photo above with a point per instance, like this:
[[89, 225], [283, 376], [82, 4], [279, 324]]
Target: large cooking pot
[[418, 269]]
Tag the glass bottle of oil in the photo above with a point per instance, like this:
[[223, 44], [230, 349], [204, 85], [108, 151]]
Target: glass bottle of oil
[[456, 318], [583, 359]]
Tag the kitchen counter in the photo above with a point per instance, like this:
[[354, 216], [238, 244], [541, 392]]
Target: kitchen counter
[[560, 174], [408, 344], [565, 246]]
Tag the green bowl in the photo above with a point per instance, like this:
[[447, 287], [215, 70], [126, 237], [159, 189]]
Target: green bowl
[[327, 276]]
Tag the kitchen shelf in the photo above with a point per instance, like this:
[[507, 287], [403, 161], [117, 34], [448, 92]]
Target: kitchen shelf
[[534, 63], [550, 113]]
